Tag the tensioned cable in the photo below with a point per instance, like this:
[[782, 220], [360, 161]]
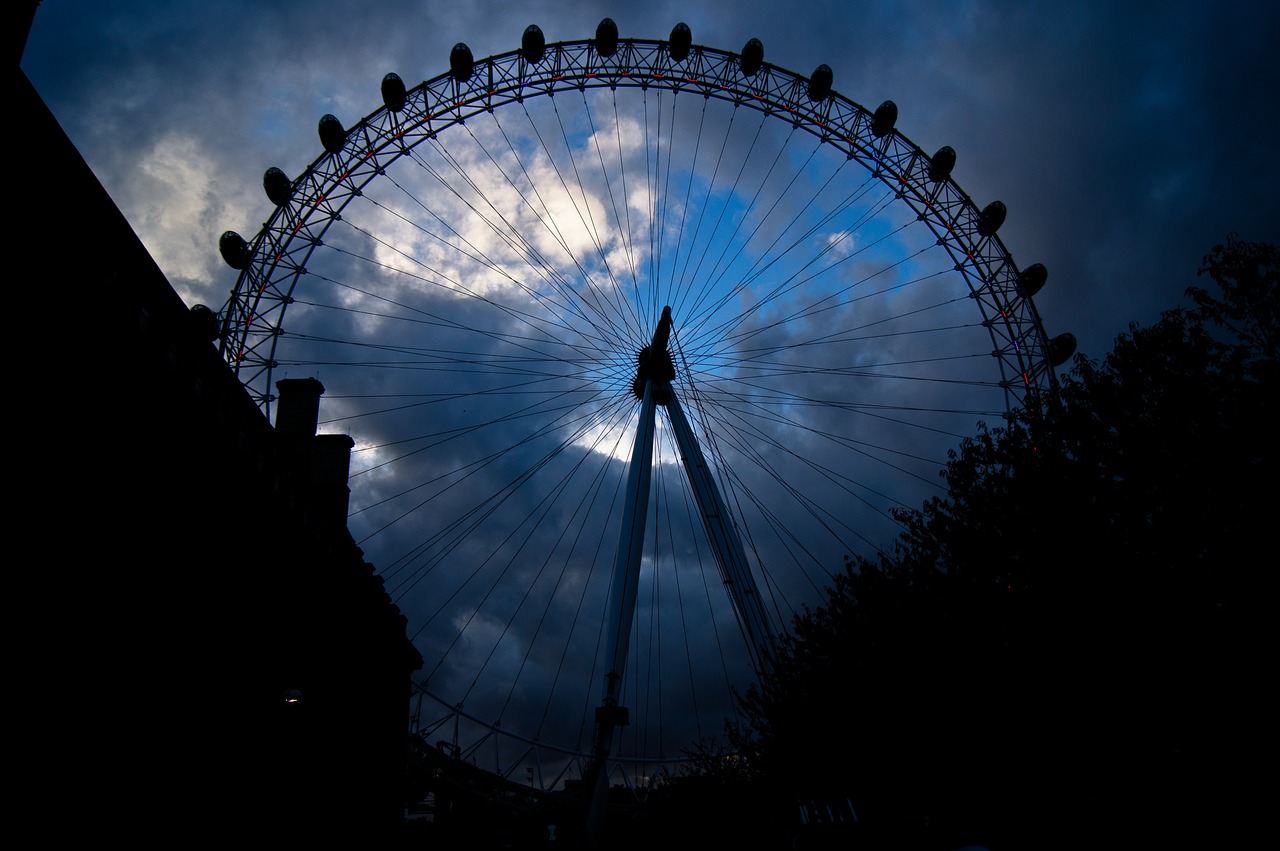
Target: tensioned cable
[[508, 234], [548, 501], [451, 433], [758, 270], [625, 231], [728, 482], [755, 271], [586, 217], [581, 366], [581, 413], [549, 222], [634, 320], [702, 209], [672, 286], [589, 286], [697, 398], [504, 492], [828, 302], [769, 414], [512, 235], [657, 199], [585, 421], [852, 333], [455, 287], [654, 655], [690, 502], [471, 252], [684, 623], [711, 280], [589, 499], [435, 320]]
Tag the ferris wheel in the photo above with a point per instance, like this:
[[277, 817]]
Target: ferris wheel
[[637, 341]]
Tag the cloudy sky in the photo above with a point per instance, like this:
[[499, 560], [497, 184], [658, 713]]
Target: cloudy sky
[[1125, 139]]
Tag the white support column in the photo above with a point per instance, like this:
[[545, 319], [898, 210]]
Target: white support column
[[654, 374], [730, 556], [626, 568], [622, 606]]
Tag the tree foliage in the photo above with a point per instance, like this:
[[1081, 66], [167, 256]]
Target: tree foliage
[[1070, 643]]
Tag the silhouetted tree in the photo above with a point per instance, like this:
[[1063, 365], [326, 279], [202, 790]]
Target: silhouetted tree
[[1071, 643]]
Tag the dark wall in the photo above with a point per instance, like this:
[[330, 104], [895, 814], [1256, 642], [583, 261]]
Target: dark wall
[[173, 581]]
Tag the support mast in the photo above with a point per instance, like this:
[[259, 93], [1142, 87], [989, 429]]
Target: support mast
[[655, 371]]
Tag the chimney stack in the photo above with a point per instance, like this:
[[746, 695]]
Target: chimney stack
[[321, 463]]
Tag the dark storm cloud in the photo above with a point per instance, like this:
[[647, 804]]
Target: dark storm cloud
[[1126, 139]]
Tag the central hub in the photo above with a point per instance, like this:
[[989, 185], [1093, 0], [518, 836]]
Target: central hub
[[653, 363]]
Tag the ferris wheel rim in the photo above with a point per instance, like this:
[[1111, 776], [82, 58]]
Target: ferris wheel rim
[[252, 318], [276, 259]]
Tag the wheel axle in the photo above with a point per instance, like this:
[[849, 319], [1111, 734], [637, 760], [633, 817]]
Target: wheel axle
[[654, 362]]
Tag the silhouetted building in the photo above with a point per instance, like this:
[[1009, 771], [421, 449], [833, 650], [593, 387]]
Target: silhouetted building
[[202, 649]]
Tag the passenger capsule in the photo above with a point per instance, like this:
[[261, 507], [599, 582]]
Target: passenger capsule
[[393, 93], [941, 163], [1031, 279], [461, 62], [606, 37], [533, 44], [1061, 348], [991, 218], [278, 186], [204, 321], [680, 42], [885, 117], [752, 57], [234, 250], [820, 83], [332, 134]]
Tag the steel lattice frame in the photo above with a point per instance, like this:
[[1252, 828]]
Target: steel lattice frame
[[253, 318]]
